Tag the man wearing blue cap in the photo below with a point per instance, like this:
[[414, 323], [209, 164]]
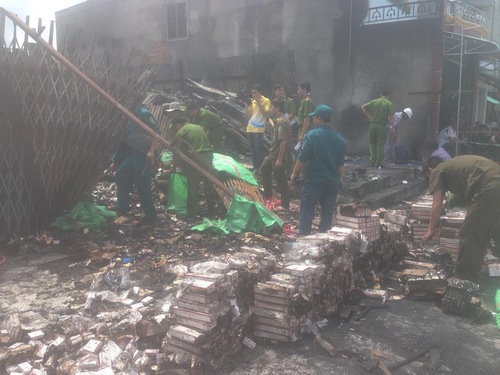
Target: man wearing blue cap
[[323, 151]]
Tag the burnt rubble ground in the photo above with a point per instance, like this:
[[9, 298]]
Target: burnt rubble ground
[[47, 277]]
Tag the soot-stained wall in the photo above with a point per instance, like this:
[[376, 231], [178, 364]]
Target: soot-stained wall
[[400, 56], [346, 63], [120, 26]]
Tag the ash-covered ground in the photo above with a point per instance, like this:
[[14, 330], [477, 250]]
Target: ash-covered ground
[[46, 279]]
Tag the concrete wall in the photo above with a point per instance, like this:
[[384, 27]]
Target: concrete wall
[[118, 25], [347, 64], [394, 55], [216, 28]]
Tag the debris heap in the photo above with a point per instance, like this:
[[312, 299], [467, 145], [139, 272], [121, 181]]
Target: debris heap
[[214, 307], [207, 314]]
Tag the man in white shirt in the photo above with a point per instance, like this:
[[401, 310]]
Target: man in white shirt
[[447, 135], [447, 138]]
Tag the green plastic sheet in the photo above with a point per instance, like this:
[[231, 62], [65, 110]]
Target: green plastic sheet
[[215, 226], [248, 216], [224, 163], [243, 216], [177, 196], [85, 215], [167, 157]]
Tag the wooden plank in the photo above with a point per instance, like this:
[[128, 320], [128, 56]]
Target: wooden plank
[[428, 266], [414, 272]]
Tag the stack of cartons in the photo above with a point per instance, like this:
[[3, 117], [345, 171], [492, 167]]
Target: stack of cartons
[[368, 225], [307, 274], [398, 217], [314, 279], [355, 210], [449, 235], [332, 274], [278, 326], [264, 258], [258, 264], [253, 265], [420, 216], [182, 339], [422, 282], [216, 304], [338, 277], [274, 311], [201, 303], [201, 310], [306, 248]]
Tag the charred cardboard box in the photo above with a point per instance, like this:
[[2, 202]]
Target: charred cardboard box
[[462, 297], [449, 234], [368, 225]]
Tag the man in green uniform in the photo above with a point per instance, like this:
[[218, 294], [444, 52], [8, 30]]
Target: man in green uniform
[[290, 110], [306, 107], [280, 155], [379, 112], [477, 181], [211, 122], [193, 141]]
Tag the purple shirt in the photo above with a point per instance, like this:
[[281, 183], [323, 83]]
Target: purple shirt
[[398, 118], [441, 153], [390, 143]]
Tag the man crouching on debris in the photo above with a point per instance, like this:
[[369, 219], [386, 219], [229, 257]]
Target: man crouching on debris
[[323, 151], [210, 122], [477, 181], [193, 141], [134, 159]]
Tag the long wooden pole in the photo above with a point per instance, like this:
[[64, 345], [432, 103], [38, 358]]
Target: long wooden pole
[[114, 102]]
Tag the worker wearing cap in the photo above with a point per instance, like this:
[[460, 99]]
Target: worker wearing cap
[[192, 140], [210, 122], [171, 110], [323, 152], [477, 181], [379, 112], [392, 134], [290, 110]]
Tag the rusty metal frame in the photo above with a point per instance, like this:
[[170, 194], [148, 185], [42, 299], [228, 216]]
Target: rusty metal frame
[[95, 87]]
